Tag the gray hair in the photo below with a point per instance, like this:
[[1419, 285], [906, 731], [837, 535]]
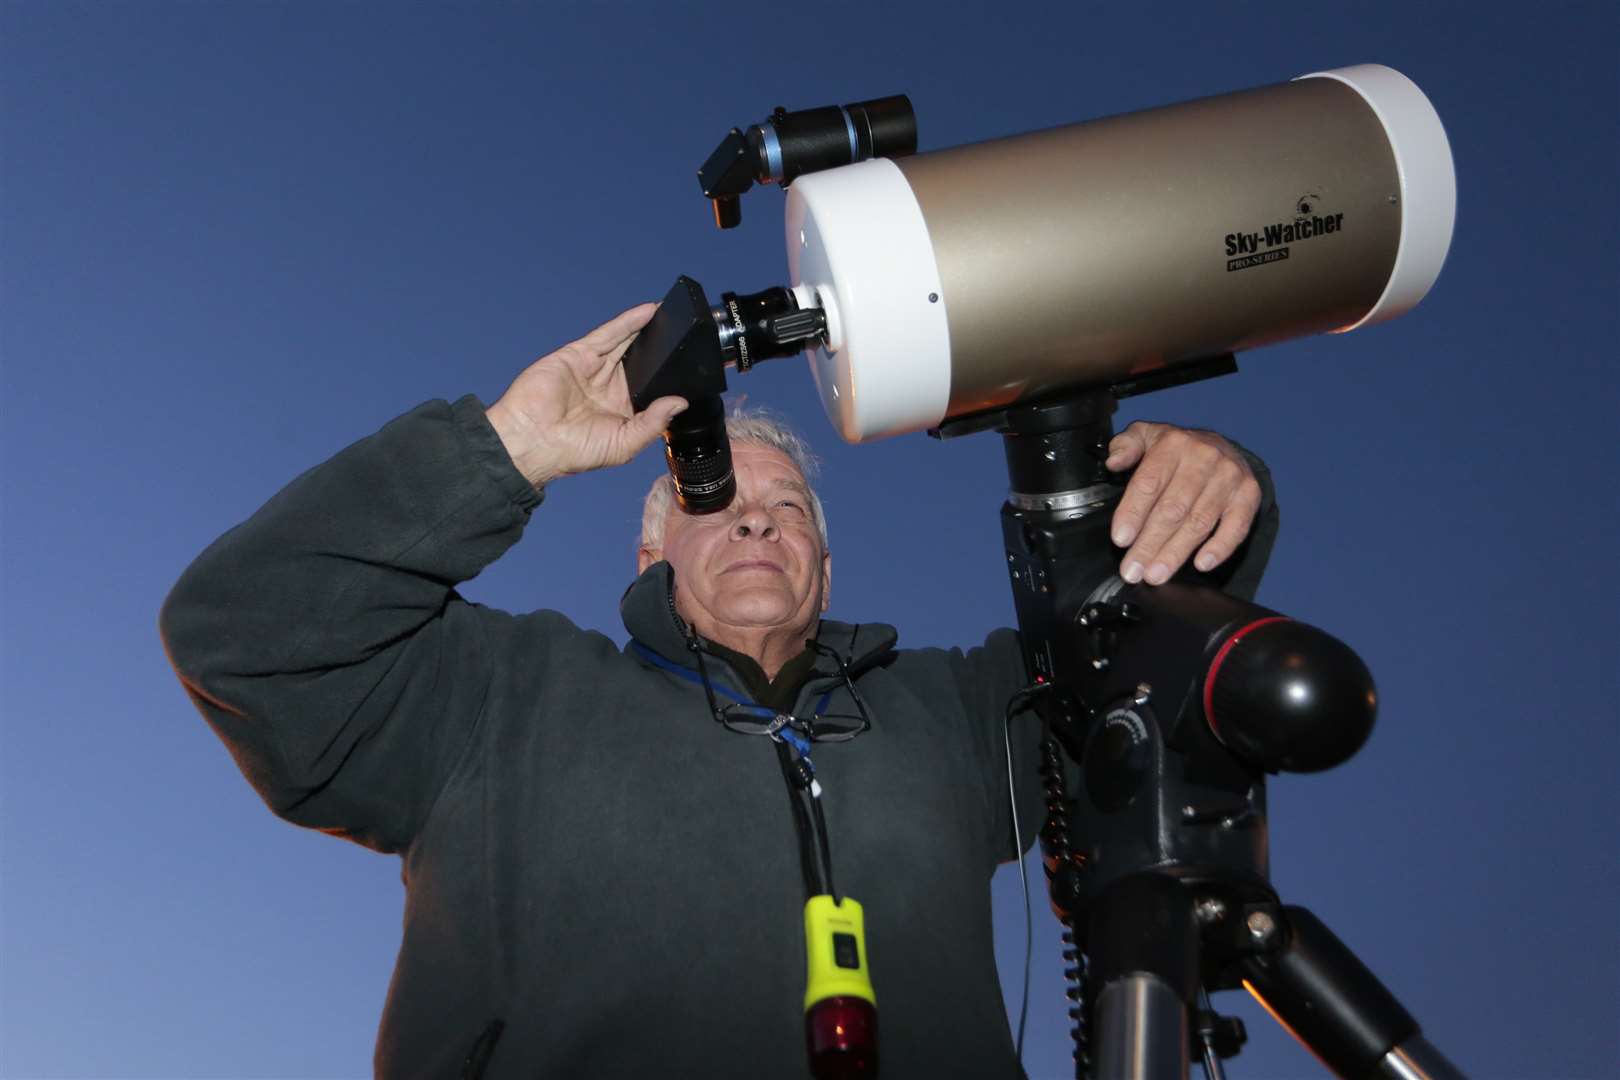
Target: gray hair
[[752, 426]]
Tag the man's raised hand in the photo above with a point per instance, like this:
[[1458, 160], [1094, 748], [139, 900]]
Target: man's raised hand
[[570, 412], [1188, 484]]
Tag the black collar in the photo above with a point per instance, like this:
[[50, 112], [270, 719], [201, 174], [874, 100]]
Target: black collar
[[648, 610]]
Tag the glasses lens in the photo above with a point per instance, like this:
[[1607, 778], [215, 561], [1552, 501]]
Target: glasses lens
[[836, 727], [751, 719], [747, 719]]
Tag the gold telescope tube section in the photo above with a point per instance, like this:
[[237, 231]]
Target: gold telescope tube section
[[1086, 254]]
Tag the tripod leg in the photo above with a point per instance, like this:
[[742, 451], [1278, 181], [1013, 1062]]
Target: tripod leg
[[1317, 988], [1143, 948]]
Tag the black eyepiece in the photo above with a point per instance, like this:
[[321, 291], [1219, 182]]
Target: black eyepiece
[[699, 457], [678, 353], [684, 351]]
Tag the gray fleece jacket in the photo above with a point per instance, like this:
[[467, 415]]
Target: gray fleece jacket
[[589, 859]]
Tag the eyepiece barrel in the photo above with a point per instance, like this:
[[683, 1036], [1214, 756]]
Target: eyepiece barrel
[[699, 457]]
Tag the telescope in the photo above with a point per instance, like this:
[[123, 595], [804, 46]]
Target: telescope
[[1025, 285], [963, 280]]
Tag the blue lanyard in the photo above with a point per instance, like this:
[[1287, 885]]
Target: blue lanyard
[[788, 735], [803, 787]]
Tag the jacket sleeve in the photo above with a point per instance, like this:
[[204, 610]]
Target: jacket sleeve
[[987, 677], [323, 639]]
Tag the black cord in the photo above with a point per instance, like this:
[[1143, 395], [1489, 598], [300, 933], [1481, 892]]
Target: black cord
[[815, 882], [826, 852], [1013, 703], [815, 854]]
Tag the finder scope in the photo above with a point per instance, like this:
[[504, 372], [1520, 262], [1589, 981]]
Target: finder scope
[[786, 145]]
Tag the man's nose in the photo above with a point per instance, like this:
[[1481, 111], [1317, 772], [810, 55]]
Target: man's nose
[[753, 521]]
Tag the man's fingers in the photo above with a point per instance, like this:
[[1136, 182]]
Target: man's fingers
[[608, 367], [599, 352], [1223, 501], [642, 428], [1152, 478], [1126, 449], [1191, 492], [1195, 528], [1172, 510], [617, 331], [1235, 523]]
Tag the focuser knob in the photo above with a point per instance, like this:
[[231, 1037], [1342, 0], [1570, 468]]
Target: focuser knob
[[803, 325]]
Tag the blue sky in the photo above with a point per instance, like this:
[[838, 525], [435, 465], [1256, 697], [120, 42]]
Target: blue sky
[[236, 237]]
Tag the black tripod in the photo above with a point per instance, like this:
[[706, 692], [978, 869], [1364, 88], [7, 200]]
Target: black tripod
[[1166, 707]]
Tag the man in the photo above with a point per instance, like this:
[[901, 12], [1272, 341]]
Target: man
[[603, 879]]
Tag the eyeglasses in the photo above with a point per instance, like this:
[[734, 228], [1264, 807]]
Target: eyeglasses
[[747, 718]]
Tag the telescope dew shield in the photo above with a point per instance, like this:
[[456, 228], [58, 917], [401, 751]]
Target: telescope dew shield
[[971, 278]]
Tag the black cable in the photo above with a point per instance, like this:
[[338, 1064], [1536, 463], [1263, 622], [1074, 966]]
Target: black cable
[[815, 854], [826, 852], [814, 882], [1019, 698]]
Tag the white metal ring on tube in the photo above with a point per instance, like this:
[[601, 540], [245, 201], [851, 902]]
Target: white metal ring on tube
[[857, 244], [1428, 182]]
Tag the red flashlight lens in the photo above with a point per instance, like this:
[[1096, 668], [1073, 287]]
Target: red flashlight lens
[[841, 1034]]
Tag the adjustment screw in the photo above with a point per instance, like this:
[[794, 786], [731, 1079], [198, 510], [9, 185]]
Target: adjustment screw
[[1143, 693], [1209, 910], [1261, 926]]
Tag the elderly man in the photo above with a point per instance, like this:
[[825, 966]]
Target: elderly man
[[603, 877]]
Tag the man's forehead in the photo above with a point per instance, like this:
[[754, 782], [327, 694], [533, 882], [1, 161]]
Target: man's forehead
[[768, 464]]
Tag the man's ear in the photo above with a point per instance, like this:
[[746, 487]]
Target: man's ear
[[645, 557], [826, 580]]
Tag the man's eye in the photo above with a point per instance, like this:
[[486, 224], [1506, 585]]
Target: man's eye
[[791, 505]]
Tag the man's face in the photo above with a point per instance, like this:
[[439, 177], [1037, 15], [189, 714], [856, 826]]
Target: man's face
[[757, 564]]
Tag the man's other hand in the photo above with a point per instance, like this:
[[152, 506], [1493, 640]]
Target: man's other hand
[[570, 412], [1188, 484]]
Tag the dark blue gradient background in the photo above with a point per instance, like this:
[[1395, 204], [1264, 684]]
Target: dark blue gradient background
[[238, 236]]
